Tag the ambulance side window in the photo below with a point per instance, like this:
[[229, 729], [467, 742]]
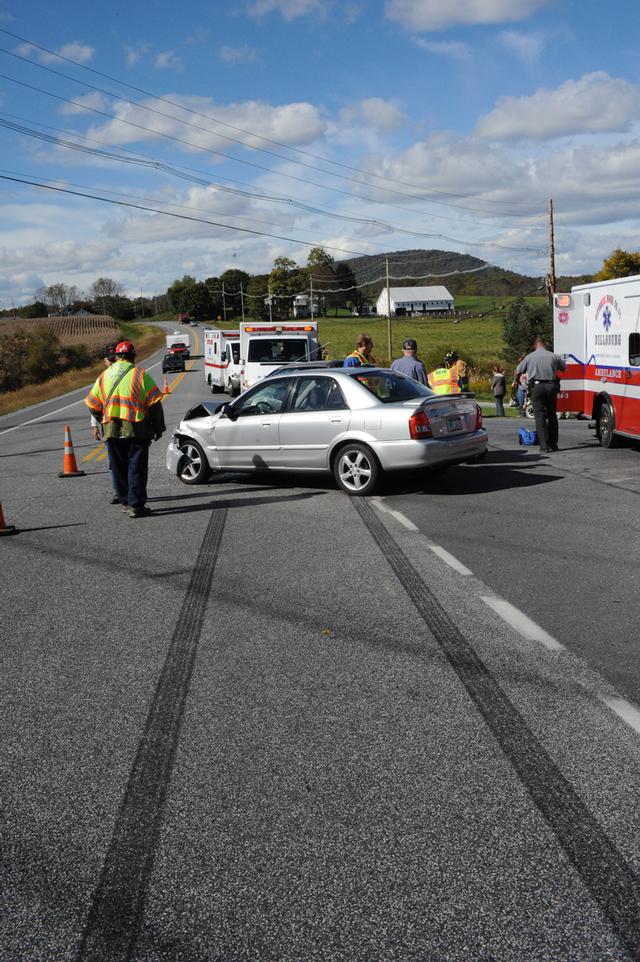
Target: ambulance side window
[[634, 349]]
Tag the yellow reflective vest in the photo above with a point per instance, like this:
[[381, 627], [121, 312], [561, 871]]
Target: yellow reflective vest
[[444, 380], [134, 394]]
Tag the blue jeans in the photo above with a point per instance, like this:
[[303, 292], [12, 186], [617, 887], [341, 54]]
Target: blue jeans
[[129, 459], [522, 396]]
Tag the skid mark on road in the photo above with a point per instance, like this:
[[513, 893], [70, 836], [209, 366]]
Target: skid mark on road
[[603, 869], [118, 905]]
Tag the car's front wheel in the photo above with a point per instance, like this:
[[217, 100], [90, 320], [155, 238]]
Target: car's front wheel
[[193, 467], [356, 469]]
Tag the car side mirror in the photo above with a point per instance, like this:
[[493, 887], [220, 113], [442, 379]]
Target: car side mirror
[[225, 410]]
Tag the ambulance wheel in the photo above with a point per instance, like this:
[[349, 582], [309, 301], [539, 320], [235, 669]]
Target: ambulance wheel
[[193, 467], [605, 422]]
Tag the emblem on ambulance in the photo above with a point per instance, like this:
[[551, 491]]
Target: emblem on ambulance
[[563, 317], [606, 318]]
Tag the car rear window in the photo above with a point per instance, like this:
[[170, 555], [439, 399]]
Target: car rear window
[[389, 387]]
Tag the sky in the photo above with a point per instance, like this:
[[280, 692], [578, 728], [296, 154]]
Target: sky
[[271, 126]]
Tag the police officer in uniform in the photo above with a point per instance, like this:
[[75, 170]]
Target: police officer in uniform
[[541, 367]]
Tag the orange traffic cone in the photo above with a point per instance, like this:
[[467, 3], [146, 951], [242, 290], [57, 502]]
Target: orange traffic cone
[[165, 386], [6, 528], [70, 468]]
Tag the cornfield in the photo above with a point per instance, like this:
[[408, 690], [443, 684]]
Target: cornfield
[[94, 332]]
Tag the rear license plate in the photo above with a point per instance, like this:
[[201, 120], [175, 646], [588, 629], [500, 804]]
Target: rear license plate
[[455, 423]]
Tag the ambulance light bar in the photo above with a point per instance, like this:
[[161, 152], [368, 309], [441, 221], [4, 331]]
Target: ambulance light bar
[[563, 300], [278, 328]]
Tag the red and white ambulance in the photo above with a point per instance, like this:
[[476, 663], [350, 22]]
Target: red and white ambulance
[[597, 331], [221, 360]]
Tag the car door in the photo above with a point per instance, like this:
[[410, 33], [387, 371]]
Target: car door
[[317, 412], [249, 438]]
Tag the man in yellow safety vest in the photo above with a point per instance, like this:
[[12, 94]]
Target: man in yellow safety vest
[[444, 380], [456, 364], [126, 400]]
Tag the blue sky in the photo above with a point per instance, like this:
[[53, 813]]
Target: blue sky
[[416, 117]]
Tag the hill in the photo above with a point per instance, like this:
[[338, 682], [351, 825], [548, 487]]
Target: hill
[[448, 268]]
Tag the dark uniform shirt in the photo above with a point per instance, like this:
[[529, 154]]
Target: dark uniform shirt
[[541, 365]]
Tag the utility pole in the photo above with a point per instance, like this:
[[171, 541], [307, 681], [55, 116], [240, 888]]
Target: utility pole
[[224, 304], [155, 302], [311, 297], [389, 346], [270, 310], [141, 305], [551, 280], [242, 302]]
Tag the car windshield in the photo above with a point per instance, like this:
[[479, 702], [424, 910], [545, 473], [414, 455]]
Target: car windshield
[[389, 387], [277, 350]]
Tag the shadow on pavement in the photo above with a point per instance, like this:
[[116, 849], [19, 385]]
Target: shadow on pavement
[[465, 480], [50, 527]]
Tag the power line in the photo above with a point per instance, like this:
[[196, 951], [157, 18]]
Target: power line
[[108, 155], [223, 123], [199, 127]]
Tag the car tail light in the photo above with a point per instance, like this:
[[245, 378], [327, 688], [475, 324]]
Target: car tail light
[[420, 426], [478, 418]]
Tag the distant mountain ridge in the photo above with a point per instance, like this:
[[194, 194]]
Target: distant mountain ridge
[[410, 268]]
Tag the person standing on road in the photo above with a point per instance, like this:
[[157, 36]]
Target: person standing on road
[[456, 364], [127, 402], [541, 368], [520, 384], [498, 388], [363, 353], [96, 427], [409, 364]]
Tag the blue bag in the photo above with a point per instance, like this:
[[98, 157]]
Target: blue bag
[[527, 437]]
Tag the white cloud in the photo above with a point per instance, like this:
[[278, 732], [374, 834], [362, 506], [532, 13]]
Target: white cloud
[[288, 9], [375, 113], [595, 103], [238, 55], [524, 46], [438, 15], [445, 48], [294, 123], [167, 60], [92, 100], [134, 54], [80, 52]]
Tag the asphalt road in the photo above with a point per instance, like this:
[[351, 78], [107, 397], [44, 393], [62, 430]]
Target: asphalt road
[[275, 723]]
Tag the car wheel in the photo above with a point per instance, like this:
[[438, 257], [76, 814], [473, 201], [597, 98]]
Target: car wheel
[[356, 469], [604, 426], [193, 467]]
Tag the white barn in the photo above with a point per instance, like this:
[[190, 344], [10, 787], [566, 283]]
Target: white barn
[[409, 301]]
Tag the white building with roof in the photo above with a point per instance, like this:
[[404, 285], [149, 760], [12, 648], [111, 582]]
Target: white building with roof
[[409, 301]]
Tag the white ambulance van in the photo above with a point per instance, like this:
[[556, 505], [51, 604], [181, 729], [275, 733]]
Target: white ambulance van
[[265, 347], [597, 331], [221, 360]]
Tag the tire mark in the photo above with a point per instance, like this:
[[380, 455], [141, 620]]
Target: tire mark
[[603, 869], [118, 904]]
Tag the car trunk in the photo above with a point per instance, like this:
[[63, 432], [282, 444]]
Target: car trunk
[[449, 414]]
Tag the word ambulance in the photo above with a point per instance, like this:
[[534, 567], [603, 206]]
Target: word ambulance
[[596, 328], [236, 360]]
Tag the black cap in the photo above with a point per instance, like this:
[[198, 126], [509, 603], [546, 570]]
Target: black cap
[[409, 345]]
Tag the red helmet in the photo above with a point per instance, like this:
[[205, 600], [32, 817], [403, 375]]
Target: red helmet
[[124, 347]]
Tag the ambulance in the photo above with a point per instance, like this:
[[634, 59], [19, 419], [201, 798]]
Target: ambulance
[[265, 347], [596, 328], [221, 360]]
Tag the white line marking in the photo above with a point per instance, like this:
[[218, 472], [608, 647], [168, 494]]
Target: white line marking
[[624, 709], [522, 624], [450, 559], [402, 519]]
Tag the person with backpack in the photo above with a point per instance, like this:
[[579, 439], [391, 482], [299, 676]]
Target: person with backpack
[[127, 402]]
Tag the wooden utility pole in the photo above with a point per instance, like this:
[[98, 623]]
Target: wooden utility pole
[[389, 345], [224, 305], [242, 302], [270, 310], [551, 280], [311, 297]]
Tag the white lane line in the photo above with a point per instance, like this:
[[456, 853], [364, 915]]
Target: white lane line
[[450, 559], [399, 516], [522, 624], [624, 710]]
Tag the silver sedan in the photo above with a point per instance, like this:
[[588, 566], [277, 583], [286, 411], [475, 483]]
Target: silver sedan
[[353, 422]]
